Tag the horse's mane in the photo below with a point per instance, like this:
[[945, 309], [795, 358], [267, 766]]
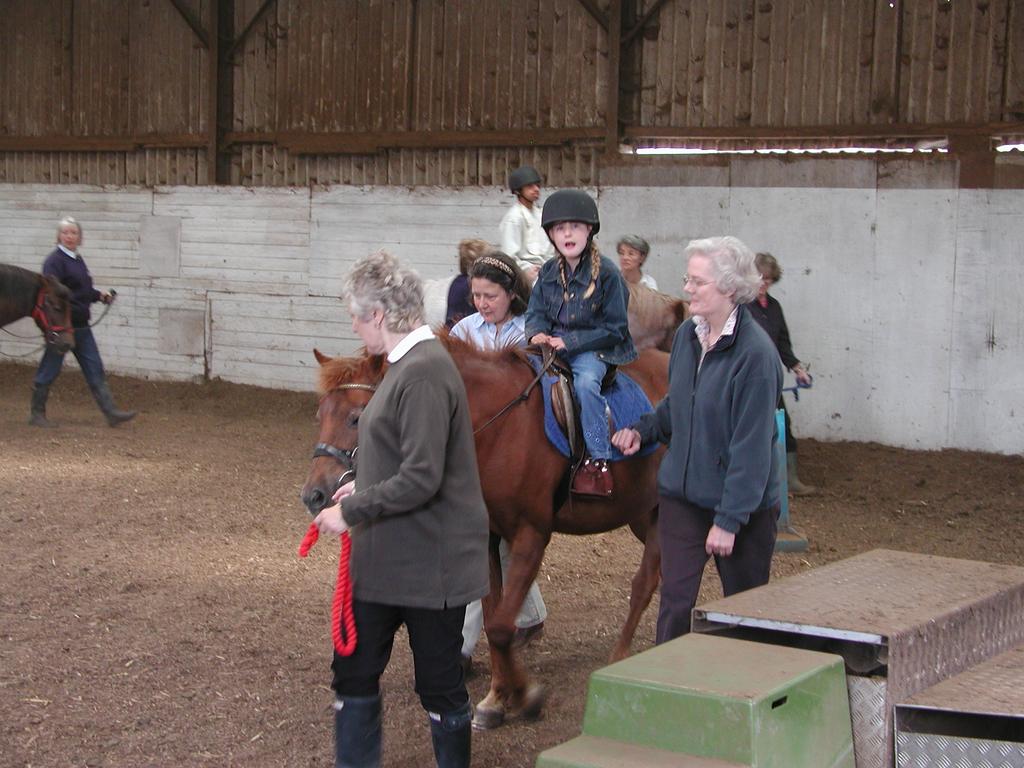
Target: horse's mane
[[15, 281], [466, 354], [369, 369], [366, 369]]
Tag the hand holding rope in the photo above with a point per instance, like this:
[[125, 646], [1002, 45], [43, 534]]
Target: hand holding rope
[[343, 620]]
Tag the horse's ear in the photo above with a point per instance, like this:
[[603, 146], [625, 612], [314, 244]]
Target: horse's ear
[[321, 357]]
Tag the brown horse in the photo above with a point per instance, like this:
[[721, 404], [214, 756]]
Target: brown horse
[[654, 317], [24, 293], [525, 486]]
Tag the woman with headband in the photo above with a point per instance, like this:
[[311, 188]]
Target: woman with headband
[[500, 293]]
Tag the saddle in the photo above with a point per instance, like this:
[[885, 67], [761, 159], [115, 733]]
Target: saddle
[[564, 404], [626, 400]]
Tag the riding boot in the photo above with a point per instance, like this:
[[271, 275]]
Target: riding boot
[[796, 487], [38, 417], [452, 737], [357, 734], [593, 478], [106, 403]]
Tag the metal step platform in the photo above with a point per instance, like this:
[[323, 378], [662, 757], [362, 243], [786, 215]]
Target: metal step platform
[[901, 621], [972, 720]]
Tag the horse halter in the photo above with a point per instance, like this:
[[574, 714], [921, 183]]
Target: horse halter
[[50, 332], [345, 457]]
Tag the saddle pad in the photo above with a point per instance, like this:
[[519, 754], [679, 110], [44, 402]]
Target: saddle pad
[[627, 401]]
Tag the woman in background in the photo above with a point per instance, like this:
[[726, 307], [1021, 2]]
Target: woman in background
[[67, 265]]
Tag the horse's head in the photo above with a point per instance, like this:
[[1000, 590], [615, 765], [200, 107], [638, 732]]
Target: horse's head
[[346, 385], [52, 314]]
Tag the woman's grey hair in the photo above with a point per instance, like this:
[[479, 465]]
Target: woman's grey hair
[[732, 264], [636, 242], [67, 221], [380, 282]]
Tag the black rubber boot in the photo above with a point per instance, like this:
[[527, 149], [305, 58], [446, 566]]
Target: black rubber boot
[[106, 403], [357, 732], [38, 417], [452, 735]]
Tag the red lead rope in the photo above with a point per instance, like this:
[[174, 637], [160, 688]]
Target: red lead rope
[[341, 607]]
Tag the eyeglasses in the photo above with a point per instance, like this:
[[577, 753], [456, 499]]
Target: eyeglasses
[[697, 283]]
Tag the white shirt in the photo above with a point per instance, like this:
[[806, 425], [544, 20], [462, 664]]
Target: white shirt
[[72, 254], [649, 281], [523, 238], [414, 337], [478, 332]]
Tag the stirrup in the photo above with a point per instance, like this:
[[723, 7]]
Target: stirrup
[[593, 478]]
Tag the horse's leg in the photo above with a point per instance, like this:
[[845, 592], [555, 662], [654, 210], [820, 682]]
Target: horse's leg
[[645, 581], [511, 691]]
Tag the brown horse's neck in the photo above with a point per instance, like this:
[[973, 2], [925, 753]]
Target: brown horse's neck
[[19, 289]]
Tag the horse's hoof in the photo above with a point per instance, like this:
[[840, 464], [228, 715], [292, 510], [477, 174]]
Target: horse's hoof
[[533, 702], [487, 718]]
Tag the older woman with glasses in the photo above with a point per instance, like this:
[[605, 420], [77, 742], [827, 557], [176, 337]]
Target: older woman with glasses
[[718, 485]]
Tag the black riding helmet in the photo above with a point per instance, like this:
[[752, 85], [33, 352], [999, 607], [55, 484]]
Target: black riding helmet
[[522, 176], [570, 205]]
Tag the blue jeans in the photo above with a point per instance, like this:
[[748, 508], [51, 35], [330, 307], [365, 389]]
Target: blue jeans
[[588, 370], [87, 354]]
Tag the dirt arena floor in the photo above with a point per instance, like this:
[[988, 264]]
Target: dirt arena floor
[[153, 610]]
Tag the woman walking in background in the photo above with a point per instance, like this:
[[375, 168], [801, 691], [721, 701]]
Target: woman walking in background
[[67, 265]]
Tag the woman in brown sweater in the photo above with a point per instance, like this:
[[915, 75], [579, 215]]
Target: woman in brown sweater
[[418, 521]]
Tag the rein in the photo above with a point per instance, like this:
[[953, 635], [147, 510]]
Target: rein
[[343, 620], [547, 358]]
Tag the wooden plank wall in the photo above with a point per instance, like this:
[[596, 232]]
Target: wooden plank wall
[[730, 63], [104, 68]]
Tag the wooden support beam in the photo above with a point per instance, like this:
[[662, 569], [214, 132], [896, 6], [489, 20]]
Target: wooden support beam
[[594, 10], [369, 143], [977, 161], [213, 73], [192, 21], [651, 12], [611, 139], [100, 143], [237, 43]]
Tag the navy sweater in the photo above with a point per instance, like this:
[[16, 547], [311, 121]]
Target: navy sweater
[[719, 423], [76, 278]]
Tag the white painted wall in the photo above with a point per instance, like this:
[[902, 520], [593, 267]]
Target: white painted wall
[[906, 302]]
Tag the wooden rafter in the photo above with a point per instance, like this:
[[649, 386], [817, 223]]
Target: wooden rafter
[[186, 13], [237, 42], [648, 15], [594, 10]]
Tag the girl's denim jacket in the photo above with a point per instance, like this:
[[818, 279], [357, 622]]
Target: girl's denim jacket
[[596, 324]]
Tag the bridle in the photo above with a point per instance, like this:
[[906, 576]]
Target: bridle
[[344, 456], [50, 332]]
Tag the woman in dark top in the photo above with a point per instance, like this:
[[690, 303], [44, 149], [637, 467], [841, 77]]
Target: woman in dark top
[[418, 520], [460, 298], [67, 265], [768, 313]]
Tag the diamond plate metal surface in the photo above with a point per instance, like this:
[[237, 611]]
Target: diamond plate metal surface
[[934, 618], [925, 750], [867, 716]]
